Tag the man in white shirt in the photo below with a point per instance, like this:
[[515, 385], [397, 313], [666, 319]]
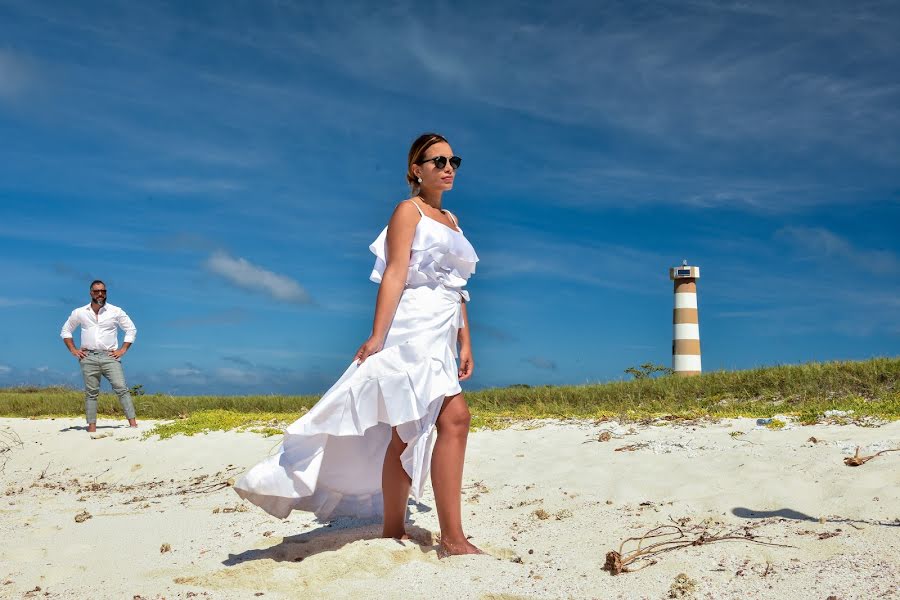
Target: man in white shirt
[[100, 353]]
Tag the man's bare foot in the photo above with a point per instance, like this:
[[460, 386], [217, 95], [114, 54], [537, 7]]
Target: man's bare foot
[[92, 427], [132, 422], [446, 549]]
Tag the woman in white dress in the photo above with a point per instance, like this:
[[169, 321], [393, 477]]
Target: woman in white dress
[[367, 444]]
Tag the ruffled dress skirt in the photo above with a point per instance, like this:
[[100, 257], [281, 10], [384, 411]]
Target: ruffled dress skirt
[[331, 459]]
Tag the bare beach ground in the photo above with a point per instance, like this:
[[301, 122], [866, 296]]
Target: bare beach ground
[[116, 516]]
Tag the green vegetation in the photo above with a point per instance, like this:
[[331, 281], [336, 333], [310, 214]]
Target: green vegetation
[[204, 421], [60, 401], [648, 370], [776, 424], [869, 388]]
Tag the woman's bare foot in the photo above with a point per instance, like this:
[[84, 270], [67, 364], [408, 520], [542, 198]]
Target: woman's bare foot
[[397, 535], [447, 548]]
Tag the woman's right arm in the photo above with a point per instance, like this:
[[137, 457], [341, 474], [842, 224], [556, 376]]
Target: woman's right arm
[[400, 233]]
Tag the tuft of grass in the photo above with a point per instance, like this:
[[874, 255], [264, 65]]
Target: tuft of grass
[[869, 388], [490, 422], [205, 421], [268, 431], [775, 424]]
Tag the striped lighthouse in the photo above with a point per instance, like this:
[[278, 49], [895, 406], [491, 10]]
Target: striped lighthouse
[[686, 334]]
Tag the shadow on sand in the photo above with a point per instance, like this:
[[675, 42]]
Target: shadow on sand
[[84, 427], [795, 515], [784, 513], [328, 538]]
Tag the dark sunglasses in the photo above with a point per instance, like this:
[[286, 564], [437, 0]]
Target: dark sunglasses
[[441, 161], [98, 291]]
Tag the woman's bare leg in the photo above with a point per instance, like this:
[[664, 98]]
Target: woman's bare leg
[[395, 488], [447, 473]]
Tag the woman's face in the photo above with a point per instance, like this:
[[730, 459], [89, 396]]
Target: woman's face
[[433, 178]]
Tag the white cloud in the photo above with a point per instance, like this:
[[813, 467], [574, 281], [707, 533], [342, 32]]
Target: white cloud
[[184, 372], [4, 369], [238, 376], [246, 275], [822, 244]]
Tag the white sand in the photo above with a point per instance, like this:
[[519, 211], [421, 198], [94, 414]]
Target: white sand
[[142, 494]]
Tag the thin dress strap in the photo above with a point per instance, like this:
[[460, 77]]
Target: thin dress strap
[[452, 218], [417, 206]]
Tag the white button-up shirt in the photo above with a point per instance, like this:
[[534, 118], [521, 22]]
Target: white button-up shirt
[[99, 330]]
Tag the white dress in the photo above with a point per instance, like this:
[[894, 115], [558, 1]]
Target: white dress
[[331, 458]]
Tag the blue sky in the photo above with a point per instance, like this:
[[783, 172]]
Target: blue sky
[[223, 166]]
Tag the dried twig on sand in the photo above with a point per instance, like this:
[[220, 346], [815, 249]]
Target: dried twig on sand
[[9, 441], [199, 485], [672, 537], [632, 447], [856, 460]]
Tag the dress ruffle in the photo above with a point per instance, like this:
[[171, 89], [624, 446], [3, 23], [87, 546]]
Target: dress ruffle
[[329, 462], [439, 256]]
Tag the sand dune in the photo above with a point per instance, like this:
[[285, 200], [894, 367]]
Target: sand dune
[[159, 520]]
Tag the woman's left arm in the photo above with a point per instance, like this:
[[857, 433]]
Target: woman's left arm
[[464, 337]]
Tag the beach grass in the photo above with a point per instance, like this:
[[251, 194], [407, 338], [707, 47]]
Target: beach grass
[[869, 388]]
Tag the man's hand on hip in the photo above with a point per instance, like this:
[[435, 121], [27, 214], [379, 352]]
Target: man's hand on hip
[[77, 353], [117, 354]]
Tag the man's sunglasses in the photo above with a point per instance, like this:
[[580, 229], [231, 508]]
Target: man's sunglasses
[[98, 291], [441, 161]]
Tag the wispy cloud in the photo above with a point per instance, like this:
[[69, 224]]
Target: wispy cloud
[[183, 372], [174, 379], [15, 302], [185, 241], [495, 333], [540, 362], [73, 273], [189, 378], [690, 95], [677, 76], [244, 274], [15, 75], [231, 316], [821, 244], [612, 266], [41, 375], [45, 230], [238, 360], [817, 283], [237, 376], [188, 185]]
